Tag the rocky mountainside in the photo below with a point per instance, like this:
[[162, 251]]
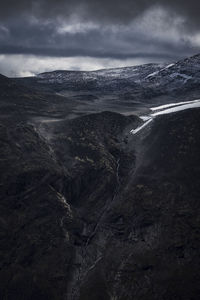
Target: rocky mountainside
[[101, 80], [148, 83], [99, 205]]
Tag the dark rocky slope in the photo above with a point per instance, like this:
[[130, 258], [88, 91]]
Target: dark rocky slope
[[42, 185], [89, 211]]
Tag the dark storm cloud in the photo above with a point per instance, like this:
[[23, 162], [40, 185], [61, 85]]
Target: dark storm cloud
[[113, 11], [106, 29], [24, 37]]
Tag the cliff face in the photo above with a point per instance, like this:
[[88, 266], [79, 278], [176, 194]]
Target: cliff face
[[89, 211]]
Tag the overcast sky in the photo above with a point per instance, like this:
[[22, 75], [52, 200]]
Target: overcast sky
[[45, 35]]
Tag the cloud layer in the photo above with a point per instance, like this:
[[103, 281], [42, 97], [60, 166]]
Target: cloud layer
[[113, 11], [102, 30]]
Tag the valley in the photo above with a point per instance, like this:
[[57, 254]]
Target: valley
[[100, 184]]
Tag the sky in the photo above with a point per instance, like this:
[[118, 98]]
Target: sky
[[45, 35]]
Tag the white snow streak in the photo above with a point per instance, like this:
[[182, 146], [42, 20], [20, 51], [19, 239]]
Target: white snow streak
[[172, 104], [134, 131], [176, 108], [165, 109]]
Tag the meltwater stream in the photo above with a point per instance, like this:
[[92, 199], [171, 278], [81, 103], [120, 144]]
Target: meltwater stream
[[163, 110]]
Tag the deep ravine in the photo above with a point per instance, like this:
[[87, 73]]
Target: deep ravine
[[86, 265]]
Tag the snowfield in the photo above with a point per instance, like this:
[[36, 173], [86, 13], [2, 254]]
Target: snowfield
[[165, 109]]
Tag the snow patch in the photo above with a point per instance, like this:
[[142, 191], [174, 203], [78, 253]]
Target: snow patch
[[173, 104], [176, 108], [134, 131], [173, 75], [145, 118], [169, 66], [153, 74], [165, 109]]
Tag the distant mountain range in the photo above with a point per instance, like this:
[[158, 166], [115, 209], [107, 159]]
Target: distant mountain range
[[146, 83]]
